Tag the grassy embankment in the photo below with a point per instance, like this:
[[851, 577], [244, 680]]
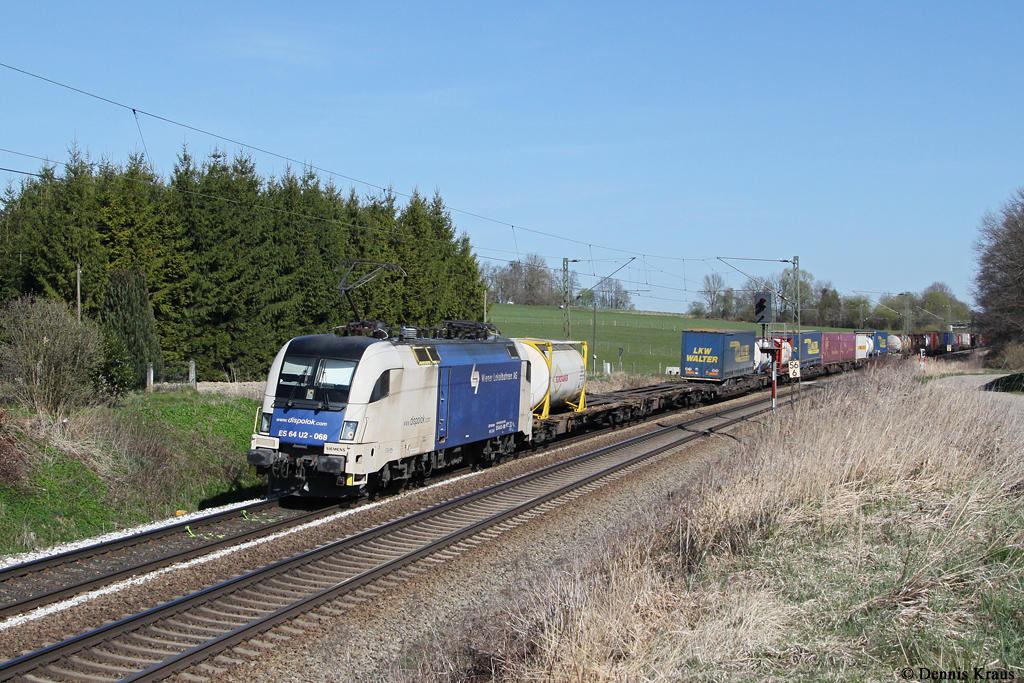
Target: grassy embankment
[[877, 527], [99, 469], [651, 341]]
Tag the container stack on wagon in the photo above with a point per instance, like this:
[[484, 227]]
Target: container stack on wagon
[[717, 354], [839, 350], [938, 343]]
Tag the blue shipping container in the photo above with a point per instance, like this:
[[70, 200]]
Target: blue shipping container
[[717, 354], [808, 351], [881, 342]]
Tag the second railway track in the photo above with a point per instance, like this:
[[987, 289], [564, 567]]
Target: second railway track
[[45, 581], [41, 582], [189, 631]]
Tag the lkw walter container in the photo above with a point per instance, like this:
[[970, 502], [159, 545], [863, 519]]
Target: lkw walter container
[[717, 354], [810, 348]]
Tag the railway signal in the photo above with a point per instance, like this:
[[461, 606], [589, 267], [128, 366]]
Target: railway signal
[[763, 307]]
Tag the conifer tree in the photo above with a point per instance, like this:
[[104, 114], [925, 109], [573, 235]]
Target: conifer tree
[[128, 315]]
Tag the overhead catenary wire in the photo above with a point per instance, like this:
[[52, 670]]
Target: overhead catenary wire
[[254, 209], [136, 111]]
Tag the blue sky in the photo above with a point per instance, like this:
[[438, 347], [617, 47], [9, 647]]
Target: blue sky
[[867, 138]]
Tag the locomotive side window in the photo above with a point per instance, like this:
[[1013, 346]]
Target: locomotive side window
[[382, 388], [426, 355]]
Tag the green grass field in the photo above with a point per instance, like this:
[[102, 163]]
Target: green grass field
[[107, 468], [650, 342]]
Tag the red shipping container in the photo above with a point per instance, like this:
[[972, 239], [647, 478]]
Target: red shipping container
[[838, 347]]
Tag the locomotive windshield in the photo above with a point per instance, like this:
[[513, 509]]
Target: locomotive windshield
[[307, 380]]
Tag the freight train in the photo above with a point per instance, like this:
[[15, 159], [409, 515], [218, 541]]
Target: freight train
[[347, 415]]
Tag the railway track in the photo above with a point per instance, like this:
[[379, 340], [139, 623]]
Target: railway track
[[44, 581], [193, 629]]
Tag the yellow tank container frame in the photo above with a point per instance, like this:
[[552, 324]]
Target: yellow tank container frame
[[548, 349]]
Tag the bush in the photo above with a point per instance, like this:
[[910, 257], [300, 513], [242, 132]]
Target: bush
[[1008, 357], [48, 359]]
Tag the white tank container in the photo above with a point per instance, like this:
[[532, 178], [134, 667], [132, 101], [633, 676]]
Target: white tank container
[[763, 360], [895, 343], [865, 345], [787, 353], [566, 379]]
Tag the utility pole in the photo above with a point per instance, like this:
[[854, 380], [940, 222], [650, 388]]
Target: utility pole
[[906, 318], [796, 279], [485, 304], [593, 292], [799, 336], [567, 296]]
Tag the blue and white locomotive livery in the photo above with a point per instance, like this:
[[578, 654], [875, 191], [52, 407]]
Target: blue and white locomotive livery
[[343, 414]]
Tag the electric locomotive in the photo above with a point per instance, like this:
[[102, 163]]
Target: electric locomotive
[[347, 414]]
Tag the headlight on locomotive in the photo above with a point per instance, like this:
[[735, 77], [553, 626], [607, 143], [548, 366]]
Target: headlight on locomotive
[[348, 431]]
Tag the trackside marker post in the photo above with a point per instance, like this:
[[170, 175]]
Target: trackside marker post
[[775, 378]]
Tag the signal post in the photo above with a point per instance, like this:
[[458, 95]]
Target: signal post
[[764, 314]]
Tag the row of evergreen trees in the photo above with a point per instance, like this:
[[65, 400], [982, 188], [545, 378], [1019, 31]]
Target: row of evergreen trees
[[234, 264]]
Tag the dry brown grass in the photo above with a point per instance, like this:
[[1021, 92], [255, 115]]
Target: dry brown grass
[[876, 526], [12, 459], [253, 390]]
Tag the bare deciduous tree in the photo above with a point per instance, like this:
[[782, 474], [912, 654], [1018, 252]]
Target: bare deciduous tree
[[529, 282], [712, 294], [999, 284]]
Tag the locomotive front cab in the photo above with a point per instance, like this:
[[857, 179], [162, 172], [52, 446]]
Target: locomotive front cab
[[307, 413]]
